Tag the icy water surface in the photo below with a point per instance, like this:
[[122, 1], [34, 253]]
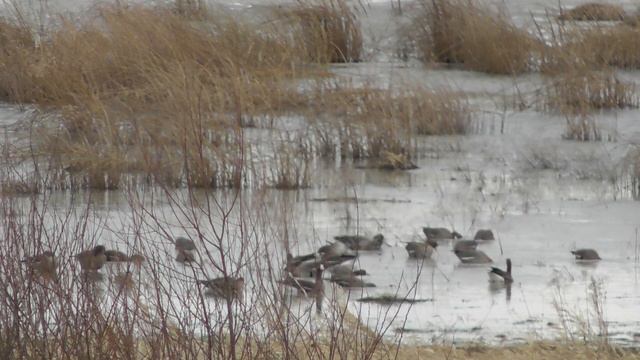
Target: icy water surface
[[541, 195]]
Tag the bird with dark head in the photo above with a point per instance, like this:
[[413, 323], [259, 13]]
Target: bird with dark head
[[586, 254], [440, 234], [499, 275], [359, 242]]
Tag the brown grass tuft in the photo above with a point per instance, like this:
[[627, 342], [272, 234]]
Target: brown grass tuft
[[369, 123], [326, 31], [581, 92], [594, 12], [464, 32]]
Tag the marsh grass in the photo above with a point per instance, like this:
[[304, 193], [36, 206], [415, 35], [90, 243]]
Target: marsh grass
[[582, 91], [594, 12], [472, 34], [368, 122], [326, 31]]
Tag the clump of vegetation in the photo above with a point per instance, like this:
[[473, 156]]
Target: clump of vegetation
[[581, 128], [464, 32], [326, 31], [594, 12], [368, 123], [592, 48], [582, 92]]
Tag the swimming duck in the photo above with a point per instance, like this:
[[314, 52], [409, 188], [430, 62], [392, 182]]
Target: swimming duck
[[484, 234], [586, 254], [462, 245], [224, 287], [358, 242], [420, 250], [184, 244], [472, 256], [44, 264], [93, 259], [185, 256], [440, 234]]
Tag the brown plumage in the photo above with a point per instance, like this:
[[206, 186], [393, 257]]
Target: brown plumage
[[224, 287], [43, 264], [93, 259]]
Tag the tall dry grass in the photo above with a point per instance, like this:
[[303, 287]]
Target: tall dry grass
[[472, 34], [148, 90], [367, 122], [325, 31], [594, 11], [581, 92]]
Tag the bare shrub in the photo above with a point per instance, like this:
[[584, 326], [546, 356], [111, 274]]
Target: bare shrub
[[465, 32], [594, 12]]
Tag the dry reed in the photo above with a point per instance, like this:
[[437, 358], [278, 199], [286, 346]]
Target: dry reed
[[468, 33], [594, 12]]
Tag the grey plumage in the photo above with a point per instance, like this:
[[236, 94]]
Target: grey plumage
[[586, 254], [484, 234], [358, 242], [440, 233], [472, 256]]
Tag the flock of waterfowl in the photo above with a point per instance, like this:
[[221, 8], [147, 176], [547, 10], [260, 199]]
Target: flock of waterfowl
[[304, 273]]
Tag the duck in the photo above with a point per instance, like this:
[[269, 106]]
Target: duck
[[484, 235], [462, 245], [92, 259], [44, 264], [184, 244], [224, 287], [586, 254], [116, 256], [336, 251], [473, 257], [185, 256], [358, 242], [350, 280], [440, 234], [119, 256], [500, 276], [124, 280], [420, 250]]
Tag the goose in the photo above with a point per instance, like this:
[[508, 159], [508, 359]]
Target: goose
[[484, 234], [500, 276], [350, 281], [92, 259], [224, 287], [308, 287], [358, 242], [44, 264], [346, 270], [440, 233], [586, 254], [420, 250], [472, 256]]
